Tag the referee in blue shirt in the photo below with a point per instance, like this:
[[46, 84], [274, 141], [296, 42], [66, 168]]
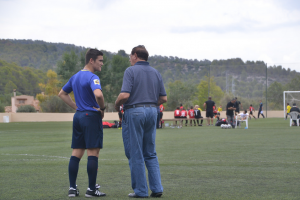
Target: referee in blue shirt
[[260, 109], [141, 92], [87, 121]]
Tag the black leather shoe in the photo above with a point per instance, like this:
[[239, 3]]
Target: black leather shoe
[[133, 195], [158, 194]]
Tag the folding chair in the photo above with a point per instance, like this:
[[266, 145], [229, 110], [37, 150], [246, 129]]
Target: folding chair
[[240, 119], [294, 116]]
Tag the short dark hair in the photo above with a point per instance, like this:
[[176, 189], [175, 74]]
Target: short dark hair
[[209, 98], [250, 104], [177, 108], [191, 107], [287, 103], [92, 53], [141, 52], [235, 97], [294, 104], [245, 111]]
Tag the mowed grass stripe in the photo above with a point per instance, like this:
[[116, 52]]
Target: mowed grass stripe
[[206, 162]]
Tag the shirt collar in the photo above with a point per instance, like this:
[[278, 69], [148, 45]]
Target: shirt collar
[[142, 63]]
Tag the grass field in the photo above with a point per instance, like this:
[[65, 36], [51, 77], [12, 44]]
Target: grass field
[[262, 162]]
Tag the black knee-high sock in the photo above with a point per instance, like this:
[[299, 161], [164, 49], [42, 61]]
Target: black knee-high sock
[[201, 121], [92, 168], [73, 170]]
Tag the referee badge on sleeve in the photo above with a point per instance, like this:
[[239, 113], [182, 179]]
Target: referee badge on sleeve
[[96, 81]]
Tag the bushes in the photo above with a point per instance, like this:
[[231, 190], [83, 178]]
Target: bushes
[[53, 104], [26, 108], [2, 108]]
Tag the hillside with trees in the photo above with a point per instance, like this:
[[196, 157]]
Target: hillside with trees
[[24, 79], [187, 81]]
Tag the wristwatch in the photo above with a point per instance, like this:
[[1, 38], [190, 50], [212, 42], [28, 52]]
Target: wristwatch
[[103, 108]]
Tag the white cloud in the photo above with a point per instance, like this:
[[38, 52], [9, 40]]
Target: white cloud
[[252, 30]]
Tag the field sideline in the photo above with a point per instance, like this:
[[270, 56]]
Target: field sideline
[[262, 162]]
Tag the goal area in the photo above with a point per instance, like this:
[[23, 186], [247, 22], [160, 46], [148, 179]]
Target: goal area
[[290, 97]]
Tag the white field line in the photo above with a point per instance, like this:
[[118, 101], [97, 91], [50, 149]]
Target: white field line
[[193, 160], [32, 155]]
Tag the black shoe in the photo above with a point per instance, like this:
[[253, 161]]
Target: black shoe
[[158, 194], [200, 125], [73, 192], [133, 195], [94, 193]]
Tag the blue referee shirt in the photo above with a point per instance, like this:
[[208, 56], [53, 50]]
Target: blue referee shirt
[[83, 84]]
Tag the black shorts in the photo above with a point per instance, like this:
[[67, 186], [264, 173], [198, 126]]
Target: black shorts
[[210, 114], [87, 130], [120, 115], [160, 115], [177, 117], [251, 113]]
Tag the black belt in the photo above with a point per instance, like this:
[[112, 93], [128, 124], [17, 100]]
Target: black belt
[[140, 105]]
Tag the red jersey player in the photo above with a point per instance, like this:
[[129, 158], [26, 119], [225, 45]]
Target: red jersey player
[[177, 114], [161, 109], [191, 114], [184, 115], [251, 109], [215, 111]]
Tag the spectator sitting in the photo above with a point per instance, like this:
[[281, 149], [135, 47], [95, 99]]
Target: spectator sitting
[[243, 115], [198, 116], [191, 113], [184, 115], [177, 114]]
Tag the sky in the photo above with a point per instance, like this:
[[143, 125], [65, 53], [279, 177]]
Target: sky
[[264, 30]]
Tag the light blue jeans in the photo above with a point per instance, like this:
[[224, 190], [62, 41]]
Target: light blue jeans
[[139, 131]]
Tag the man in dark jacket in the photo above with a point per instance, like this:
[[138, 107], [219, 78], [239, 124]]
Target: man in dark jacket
[[295, 109]]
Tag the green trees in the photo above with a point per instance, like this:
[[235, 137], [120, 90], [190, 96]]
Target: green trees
[[275, 95], [294, 84], [24, 79], [179, 93], [49, 101], [53, 104], [70, 64], [119, 64], [26, 108], [2, 109], [9, 87], [208, 87]]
